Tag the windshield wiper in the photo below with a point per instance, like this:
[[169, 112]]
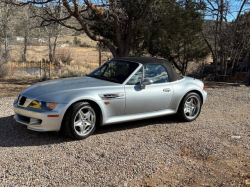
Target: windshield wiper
[[95, 76], [112, 79]]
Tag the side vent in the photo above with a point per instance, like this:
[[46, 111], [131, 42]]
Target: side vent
[[112, 96]]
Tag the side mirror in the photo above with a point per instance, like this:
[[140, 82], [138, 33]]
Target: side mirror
[[146, 82]]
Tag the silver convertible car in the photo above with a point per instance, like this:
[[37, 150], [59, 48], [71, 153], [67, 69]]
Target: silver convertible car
[[121, 90]]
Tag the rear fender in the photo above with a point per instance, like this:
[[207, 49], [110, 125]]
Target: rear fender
[[183, 87]]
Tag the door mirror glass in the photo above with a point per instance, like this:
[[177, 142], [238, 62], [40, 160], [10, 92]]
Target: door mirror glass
[[146, 82]]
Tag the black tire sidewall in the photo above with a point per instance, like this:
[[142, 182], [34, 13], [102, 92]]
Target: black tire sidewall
[[70, 116], [181, 109]]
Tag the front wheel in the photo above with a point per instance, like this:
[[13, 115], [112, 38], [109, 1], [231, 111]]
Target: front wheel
[[79, 121], [190, 107]]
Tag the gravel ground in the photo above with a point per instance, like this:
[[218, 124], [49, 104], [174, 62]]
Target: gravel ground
[[214, 150]]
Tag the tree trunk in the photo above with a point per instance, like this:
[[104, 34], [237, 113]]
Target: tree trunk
[[49, 69], [54, 48], [6, 45], [100, 53], [225, 64], [0, 49], [24, 58], [50, 49], [40, 69]]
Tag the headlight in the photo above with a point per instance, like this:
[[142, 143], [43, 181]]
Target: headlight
[[42, 105]]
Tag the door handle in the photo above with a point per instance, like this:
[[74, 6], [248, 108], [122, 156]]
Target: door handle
[[167, 89]]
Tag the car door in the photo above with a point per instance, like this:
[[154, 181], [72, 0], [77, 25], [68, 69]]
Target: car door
[[154, 97]]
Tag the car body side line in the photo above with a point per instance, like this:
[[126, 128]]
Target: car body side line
[[170, 104], [127, 118]]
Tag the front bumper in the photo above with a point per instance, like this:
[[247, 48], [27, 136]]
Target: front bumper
[[204, 96], [38, 120]]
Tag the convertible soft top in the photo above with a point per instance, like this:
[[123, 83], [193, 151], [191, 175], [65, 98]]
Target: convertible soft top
[[172, 75]]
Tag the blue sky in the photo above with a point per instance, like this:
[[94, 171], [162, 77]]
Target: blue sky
[[235, 6]]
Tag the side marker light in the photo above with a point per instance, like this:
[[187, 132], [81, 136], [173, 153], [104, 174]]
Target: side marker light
[[53, 116]]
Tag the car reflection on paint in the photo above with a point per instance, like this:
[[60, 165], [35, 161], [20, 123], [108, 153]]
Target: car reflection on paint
[[121, 90]]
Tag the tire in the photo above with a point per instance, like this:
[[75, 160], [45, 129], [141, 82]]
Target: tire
[[190, 107], [79, 121]]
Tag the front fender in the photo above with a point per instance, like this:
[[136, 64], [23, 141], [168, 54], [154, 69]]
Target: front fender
[[115, 107]]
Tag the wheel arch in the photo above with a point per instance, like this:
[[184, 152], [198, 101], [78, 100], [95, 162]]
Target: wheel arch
[[180, 111], [198, 92], [190, 91], [96, 107]]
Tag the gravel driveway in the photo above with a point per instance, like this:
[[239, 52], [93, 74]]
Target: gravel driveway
[[214, 150]]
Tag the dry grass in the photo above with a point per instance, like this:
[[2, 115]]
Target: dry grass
[[78, 54], [82, 59], [12, 86], [83, 38]]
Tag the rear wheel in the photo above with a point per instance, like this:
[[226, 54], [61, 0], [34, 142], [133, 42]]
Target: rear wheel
[[190, 107], [79, 121]]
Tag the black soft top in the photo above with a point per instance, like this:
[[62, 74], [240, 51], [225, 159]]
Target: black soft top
[[172, 75]]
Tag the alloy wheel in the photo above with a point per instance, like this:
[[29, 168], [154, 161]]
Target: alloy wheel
[[192, 107], [84, 121]]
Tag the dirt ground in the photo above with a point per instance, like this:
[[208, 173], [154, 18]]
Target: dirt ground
[[213, 150], [80, 55]]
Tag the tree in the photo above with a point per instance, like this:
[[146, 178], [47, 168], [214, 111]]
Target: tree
[[240, 40], [24, 26], [53, 29], [124, 17], [221, 35], [6, 16], [174, 32]]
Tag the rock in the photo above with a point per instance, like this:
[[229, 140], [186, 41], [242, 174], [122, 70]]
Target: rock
[[236, 137], [242, 85], [247, 182], [132, 153], [125, 184]]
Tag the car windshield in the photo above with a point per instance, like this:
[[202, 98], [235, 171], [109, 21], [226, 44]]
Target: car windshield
[[115, 71]]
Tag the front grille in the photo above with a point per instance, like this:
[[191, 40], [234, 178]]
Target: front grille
[[22, 100]]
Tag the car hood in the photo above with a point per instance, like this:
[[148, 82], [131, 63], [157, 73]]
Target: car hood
[[60, 85]]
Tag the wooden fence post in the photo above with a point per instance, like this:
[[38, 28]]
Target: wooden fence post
[[40, 69]]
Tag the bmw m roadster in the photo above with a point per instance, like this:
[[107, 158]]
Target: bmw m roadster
[[121, 90]]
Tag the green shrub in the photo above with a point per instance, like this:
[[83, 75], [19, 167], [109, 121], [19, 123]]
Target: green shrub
[[77, 41], [84, 44], [4, 70], [73, 73]]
